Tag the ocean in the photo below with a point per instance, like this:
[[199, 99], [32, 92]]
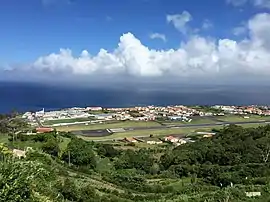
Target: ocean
[[31, 97]]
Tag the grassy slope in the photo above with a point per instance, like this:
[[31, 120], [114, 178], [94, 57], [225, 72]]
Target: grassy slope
[[181, 184], [63, 144], [3, 138]]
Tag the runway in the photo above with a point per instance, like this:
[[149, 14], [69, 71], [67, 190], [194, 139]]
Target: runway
[[108, 132], [93, 133]]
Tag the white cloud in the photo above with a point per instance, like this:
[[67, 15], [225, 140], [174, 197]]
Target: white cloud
[[207, 24], [237, 2], [51, 2], [240, 30], [158, 36], [256, 3], [262, 3], [259, 28], [180, 21], [197, 58]]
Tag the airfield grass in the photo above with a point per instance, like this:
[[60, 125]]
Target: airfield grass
[[120, 124], [251, 125], [226, 118], [232, 118], [163, 132], [51, 122], [145, 133]]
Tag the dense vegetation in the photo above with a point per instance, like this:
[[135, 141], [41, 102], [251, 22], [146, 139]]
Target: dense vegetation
[[62, 167]]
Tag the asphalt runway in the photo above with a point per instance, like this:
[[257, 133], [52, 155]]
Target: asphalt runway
[[195, 125], [105, 132], [93, 133]]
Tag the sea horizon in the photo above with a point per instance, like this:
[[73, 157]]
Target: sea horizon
[[24, 97]]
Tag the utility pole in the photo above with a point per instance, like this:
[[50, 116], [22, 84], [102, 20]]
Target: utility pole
[[68, 158]]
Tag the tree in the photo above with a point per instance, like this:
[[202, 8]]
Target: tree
[[264, 145], [80, 153], [51, 147], [107, 150], [5, 153], [69, 190], [154, 169], [19, 180], [141, 160]]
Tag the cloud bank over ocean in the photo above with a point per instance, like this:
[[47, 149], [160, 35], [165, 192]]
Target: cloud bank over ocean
[[198, 58]]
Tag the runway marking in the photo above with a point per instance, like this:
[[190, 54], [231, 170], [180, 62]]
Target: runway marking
[[117, 130]]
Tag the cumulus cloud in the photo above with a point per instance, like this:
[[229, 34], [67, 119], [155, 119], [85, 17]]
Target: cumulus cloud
[[197, 58], [180, 21], [256, 3], [158, 36]]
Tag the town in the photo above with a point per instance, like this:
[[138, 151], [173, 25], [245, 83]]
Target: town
[[151, 124], [86, 115]]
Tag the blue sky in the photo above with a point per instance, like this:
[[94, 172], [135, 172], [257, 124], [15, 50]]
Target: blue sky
[[31, 29]]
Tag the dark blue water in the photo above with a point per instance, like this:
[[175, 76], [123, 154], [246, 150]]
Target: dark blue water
[[25, 97]]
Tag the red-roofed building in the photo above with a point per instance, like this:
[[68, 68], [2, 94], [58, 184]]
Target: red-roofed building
[[130, 140], [171, 139], [44, 130]]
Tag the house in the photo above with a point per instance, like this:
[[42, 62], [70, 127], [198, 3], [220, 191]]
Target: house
[[252, 194], [208, 135], [171, 139], [131, 139], [154, 142], [19, 153], [180, 142], [94, 108], [40, 113], [104, 116], [175, 118], [44, 130]]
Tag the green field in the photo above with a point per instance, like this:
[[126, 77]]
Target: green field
[[226, 118], [232, 118], [120, 124], [67, 121], [162, 132], [155, 132]]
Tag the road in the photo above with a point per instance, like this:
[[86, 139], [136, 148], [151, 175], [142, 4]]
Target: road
[[103, 132]]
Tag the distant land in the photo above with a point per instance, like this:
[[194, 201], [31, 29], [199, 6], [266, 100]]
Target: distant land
[[31, 96]]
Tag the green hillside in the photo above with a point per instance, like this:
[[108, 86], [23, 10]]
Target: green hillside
[[62, 167]]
